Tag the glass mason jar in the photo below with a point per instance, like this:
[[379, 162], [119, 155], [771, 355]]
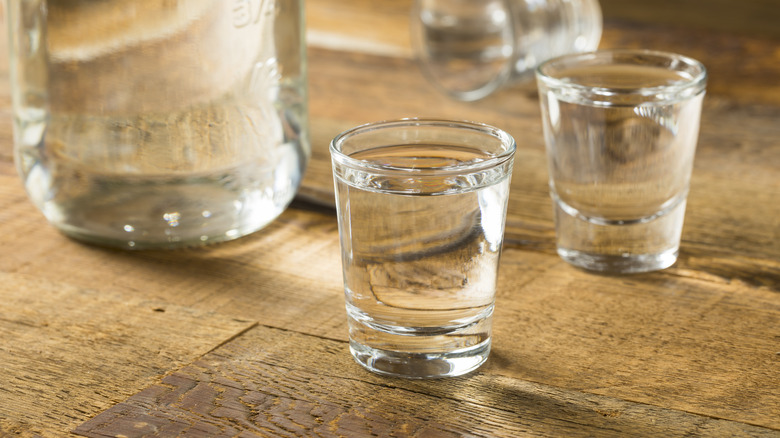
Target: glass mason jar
[[159, 123], [471, 48]]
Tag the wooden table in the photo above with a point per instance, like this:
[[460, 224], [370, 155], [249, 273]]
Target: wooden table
[[249, 337]]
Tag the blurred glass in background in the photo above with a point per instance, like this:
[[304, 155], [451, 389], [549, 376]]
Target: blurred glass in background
[[471, 48]]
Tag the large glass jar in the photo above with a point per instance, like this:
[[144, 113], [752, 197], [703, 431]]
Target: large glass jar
[[159, 123]]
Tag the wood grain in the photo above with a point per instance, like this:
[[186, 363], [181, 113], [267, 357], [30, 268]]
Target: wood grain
[[692, 350], [294, 260], [754, 17], [695, 345], [378, 27], [549, 316], [70, 352], [273, 382], [385, 22]]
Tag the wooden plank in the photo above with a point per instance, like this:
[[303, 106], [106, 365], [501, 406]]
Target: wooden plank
[[695, 344], [248, 280], [754, 17], [383, 25], [742, 68], [70, 352], [552, 321], [360, 26], [294, 260], [272, 382]]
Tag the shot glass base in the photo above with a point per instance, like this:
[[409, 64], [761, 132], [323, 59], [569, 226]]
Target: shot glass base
[[420, 365], [650, 244], [628, 264]]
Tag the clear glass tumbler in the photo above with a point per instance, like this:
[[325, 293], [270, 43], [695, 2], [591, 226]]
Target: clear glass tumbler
[[421, 211], [621, 128], [471, 48], [159, 123]]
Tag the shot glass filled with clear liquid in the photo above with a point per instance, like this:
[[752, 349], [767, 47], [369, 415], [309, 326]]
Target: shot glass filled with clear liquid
[[421, 210], [621, 128]]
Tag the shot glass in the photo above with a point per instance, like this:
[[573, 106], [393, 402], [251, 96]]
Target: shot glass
[[620, 128], [421, 211]]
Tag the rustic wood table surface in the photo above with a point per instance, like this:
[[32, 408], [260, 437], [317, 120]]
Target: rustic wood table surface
[[249, 338]]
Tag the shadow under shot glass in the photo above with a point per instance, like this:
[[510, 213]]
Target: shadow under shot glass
[[620, 129], [421, 211]]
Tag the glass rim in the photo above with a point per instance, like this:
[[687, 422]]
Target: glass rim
[[686, 87], [469, 167]]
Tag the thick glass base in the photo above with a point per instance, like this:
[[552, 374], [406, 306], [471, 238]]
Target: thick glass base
[[164, 213], [452, 343], [164, 221], [619, 247], [620, 264], [420, 365]]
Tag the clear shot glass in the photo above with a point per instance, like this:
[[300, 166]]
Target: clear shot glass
[[620, 128], [471, 48], [421, 211]]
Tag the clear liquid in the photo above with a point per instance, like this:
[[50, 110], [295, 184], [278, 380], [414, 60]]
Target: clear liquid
[[620, 170], [128, 137], [421, 263]]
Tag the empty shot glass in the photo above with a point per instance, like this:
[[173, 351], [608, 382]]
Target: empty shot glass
[[621, 128], [421, 211]]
